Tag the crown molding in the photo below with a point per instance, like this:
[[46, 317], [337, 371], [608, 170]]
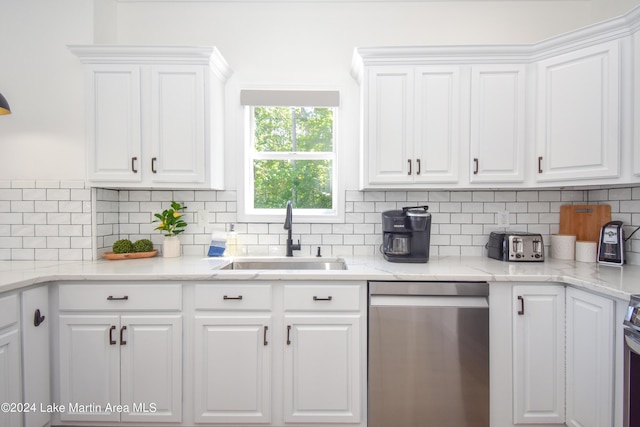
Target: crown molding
[[140, 54]]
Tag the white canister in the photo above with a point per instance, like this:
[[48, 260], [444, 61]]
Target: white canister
[[586, 251], [563, 246]]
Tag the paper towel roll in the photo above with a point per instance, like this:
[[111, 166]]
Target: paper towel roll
[[586, 251], [563, 246]]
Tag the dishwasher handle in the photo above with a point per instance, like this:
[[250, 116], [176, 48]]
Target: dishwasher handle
[[428, 301]]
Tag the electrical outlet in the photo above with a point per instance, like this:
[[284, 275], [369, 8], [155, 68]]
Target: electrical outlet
[[503, 219], [203, 218]]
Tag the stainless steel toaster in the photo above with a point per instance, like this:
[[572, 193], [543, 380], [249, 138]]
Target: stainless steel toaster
[[509, 246]]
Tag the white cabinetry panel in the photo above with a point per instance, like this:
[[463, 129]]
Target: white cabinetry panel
[[578, 114], [233, 366], [89, 367], [151, 368], [539, 354], [177, 124], [322, 369], [36, 354], [10, 376], [590, 364], [497, 127], [114, 153], [389, 138], [436, 124]]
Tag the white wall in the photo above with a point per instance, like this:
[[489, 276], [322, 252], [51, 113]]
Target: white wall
[[41, 79], [270, 43]]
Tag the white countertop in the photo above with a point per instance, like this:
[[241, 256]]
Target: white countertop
[[618, 282]]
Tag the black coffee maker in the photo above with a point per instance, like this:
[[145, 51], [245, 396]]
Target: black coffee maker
[[406, 234]]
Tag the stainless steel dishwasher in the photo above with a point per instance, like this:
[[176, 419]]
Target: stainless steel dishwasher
[[428, 354]]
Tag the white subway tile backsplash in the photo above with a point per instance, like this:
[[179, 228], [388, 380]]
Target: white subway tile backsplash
[[49, 220]]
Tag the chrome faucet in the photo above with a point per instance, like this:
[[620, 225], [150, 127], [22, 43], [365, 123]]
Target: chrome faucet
[[288, 225]]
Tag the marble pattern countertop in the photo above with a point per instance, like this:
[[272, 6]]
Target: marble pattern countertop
[[617, 282]]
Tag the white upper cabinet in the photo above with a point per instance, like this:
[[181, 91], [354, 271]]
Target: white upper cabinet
[[154, 116], [497, 128], [578, 123], [411, 125], [557, 112]]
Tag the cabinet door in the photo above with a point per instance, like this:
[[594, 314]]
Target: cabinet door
[[113, 123], [590, 364], [539, 354], [388, 130], [151, 368], [233, 369], [35, 344], [578, 114], [322, 369], [177, 124], [10, 376], [497, 123], [436, 124], [89, 367]]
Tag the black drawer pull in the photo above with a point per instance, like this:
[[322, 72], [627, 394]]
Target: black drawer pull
[[329, 298], [521, 311], [239, 298], [38, 318], [112, 298], [111, 341], [122, 341]]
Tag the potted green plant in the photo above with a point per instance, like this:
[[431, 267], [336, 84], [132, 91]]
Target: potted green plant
[[171, 224]]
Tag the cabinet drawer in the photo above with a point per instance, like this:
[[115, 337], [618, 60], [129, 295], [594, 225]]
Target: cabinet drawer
[[8, 310], [233, 297], [322, 297], [107, 297]]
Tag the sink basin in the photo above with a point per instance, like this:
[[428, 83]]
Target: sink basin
[[287, 264]]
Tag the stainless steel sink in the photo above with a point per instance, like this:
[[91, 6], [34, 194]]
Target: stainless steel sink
[[287, 264]]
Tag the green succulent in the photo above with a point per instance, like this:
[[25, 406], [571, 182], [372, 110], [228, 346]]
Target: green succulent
[[142, 245], [123, 246]]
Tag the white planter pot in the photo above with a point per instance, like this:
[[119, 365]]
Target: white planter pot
[[171, 247]]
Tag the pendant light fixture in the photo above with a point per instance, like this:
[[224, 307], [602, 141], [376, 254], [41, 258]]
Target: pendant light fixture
[[4, 106]]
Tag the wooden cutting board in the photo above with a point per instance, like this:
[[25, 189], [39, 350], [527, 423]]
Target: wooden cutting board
[[584, 221]]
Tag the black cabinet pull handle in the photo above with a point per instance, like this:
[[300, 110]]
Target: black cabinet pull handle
[[239, 298], [264, 336], [475, 166], [112, 298], [133, 165], [409, 161], [539, 164], [288, 334], [111, 341], [329, 298], [153, 164], [419, 167], [38, 319], [122, 341], [521, 311]]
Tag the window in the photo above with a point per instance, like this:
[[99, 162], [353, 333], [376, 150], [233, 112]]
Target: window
[[290, 153]]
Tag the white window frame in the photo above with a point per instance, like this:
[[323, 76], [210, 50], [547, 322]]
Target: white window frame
[[246, 211]]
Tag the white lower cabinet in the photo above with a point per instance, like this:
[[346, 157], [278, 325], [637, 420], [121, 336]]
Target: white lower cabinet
[[233, 369], [590, 359], [552, 356], [321, 377], [36, 354], [278, 354], [117, 365], [10, 380], [538, 354]]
